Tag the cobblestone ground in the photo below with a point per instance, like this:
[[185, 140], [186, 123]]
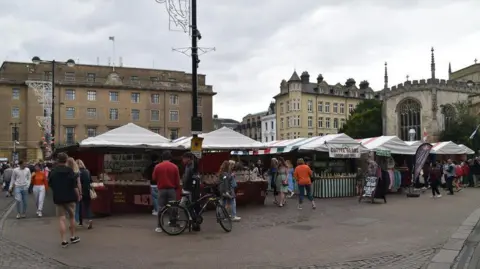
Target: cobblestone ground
[[16, 256]]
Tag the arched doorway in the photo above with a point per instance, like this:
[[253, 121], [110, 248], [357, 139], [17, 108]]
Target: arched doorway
[[409, 117]]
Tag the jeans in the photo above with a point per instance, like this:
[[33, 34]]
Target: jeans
[[301, 192], [84, 206], [7, 185], [449, 182], [77, 211], [21, 193], [39, 193], [154, 193], [434, 184], [232, 204]]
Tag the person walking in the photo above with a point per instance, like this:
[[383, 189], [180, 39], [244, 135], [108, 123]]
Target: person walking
[[449, 176], [167, 177], [302, 175], [39, 183], [291, 184], [435, 180], [66, 193], [7, 177], [281, 181], [21, 179], [85, 205], [72, 164]]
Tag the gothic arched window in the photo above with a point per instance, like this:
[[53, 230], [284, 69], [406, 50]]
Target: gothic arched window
[[409, 115], [448, 112]]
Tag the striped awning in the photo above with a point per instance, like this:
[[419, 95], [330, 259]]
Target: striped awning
[[278, 146]]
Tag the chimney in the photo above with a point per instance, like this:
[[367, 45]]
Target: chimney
[[215, 116], [120, 62], [305, 77]]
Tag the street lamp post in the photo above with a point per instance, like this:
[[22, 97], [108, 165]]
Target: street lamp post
[[70, 63]]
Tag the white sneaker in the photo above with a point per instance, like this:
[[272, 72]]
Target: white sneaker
[[439, 196], [155, 213], [19, 216], [158, 230], [313, 205], [39, 214], [236, 218], [299, 206]]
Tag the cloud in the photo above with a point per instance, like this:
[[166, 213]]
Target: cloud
[[258, 43]]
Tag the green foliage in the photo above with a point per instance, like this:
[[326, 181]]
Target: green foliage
[[461, 127], [365, 121]]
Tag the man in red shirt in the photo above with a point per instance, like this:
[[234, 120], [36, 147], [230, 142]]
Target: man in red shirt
[[167, 176]]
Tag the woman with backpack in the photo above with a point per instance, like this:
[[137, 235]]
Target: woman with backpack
[[227, 188]]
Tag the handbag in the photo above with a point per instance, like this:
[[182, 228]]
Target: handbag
[[93, 193]]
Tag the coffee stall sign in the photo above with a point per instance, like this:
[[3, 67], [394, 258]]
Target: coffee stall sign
[[370, 185], [344, 151]]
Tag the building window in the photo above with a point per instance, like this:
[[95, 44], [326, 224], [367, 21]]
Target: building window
[[134, 79], [281, 123], [297, 123], [320, 106], [342, 122], [91, 113], [310, 134], [70, 76], [70, 134], [135, 97], [90, 77], [15, 112], [16, 94], [273, 138], [154, 115], [15, 133], [266, 126], [350, 108], [135, 114], [155, 130], [327, 107], [335, 123], [113, 115], [409, 118], [327, 123], [310, 122], [281, 108], [288, 122], [70, 95], [272, 125], [91, 131], [47, 75], [342, 108], [199, 101], [154, 80], [310, 106], [113, 96], [320, 122], [173, 116], [91, 95], [173, 134], [173, 99], [70, 113], [288, 106], [335, 108], [448, 112], [155, 98]]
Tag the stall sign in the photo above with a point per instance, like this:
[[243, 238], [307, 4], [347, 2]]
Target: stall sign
[[142, 199], [370, 185], [196, 146], [344, 151], [382, 152], [423, 151], [119, 197]]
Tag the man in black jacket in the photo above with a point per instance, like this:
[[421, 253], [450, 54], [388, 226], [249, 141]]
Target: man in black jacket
[[190, 183], [63, 182]]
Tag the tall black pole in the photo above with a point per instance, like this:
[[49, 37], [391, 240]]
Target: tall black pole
[[52, 115], [195, 61]]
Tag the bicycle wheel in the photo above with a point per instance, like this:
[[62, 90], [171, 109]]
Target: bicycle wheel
[[171, 219], [223, 218]]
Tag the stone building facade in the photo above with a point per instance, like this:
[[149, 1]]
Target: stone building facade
[[92, 99], [424, 105], [251, 125], [269, 124]]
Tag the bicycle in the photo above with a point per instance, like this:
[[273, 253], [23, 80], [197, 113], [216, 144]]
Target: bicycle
[[173, 210]]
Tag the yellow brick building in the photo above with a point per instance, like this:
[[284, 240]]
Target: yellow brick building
[[306, 109]]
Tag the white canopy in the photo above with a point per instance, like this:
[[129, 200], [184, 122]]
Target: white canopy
[[129, 135], [447, 147], [468, 150], [320, 143], [391, 143], [414, 144], [223, 138]]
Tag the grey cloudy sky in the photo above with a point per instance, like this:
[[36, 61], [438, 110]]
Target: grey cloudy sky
[[258, 43]]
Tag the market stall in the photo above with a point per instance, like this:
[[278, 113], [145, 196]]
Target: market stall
[[468, 150], [216, 147], [447, 148], [117, 159]]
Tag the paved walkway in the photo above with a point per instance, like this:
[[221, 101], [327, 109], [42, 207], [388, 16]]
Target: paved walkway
[[340, 234]]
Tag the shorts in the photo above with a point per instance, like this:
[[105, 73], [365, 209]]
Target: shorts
[[64, 209]]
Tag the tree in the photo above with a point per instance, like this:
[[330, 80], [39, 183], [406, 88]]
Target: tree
[[365, 120], [459, 127]]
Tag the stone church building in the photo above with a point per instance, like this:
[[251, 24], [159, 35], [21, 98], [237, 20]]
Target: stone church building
[[426, 104]]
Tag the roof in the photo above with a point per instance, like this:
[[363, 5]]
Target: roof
[[448, 148], [468, 150], [223, 138], [391, 143], [294, 77]]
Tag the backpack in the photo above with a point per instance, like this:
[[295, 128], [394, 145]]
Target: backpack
[[225, 184]]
